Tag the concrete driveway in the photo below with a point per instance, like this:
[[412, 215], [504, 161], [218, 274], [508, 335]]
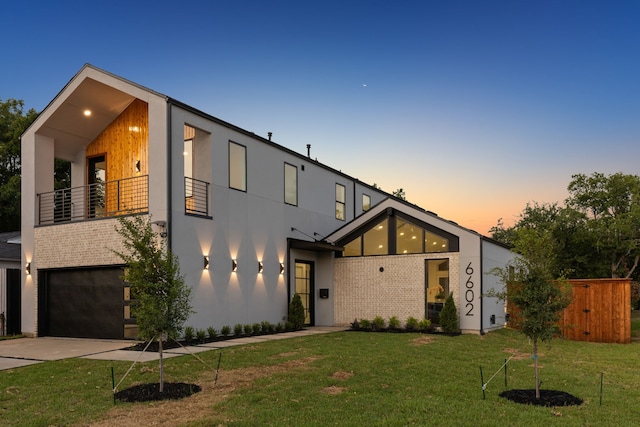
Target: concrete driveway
[[27, 351]]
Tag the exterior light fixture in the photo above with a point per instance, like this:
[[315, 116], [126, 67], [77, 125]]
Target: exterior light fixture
[[260, 267], [281, 268], [234, 265], [27, 268], [137, 165], [206, 262]]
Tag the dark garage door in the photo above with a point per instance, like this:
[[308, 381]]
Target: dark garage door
[[82, 303]]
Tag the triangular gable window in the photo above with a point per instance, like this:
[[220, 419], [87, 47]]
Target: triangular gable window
[[396, 234]]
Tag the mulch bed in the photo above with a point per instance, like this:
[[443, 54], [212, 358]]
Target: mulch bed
[[547, 397], [151, 392]]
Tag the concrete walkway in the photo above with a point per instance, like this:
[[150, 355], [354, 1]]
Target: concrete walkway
[[27, 351]]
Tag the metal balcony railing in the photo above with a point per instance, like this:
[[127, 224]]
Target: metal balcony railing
[[100, 200], [196, 200]]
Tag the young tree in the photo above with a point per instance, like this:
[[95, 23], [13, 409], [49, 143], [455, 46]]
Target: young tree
[[162, 300], [538, 295]]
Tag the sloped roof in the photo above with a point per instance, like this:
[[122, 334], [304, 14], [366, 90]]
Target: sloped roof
[[10, 251]]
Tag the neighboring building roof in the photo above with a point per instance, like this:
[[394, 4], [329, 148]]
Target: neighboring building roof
[[10, 247]]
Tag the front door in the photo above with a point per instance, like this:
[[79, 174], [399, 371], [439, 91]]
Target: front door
[[305, 288]]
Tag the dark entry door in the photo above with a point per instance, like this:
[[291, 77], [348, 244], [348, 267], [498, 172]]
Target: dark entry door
[[14, 302], [82, 303], [305, 288]]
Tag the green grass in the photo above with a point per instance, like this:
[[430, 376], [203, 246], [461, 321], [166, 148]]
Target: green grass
[[392, 382]]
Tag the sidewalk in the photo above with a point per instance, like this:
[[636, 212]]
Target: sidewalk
[[27, 351]]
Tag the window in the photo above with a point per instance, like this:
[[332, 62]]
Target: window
[[341, 198], [366, 202], [376, 240], [290, 184], [237, 166], [398, 235], [354, 247], [408, 237]]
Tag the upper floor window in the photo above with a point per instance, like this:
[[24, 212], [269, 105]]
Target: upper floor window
[[237, 166], [341, 198], [290, 184], [366, 202]]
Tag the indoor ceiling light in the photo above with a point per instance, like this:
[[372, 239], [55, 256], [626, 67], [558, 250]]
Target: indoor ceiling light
[[87, 113]]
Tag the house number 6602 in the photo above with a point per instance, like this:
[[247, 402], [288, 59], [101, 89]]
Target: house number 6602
[[468, 295]]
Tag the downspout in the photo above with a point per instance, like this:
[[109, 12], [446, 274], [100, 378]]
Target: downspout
[[169, 174], [354, 198], [482, 332]]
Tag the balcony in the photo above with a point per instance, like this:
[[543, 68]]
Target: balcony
[[196, 201], [100, 200]]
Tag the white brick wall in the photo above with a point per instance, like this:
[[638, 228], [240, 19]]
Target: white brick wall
[[362, 291], [77, 244]]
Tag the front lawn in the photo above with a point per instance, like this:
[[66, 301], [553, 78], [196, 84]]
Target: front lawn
[[345, 378]]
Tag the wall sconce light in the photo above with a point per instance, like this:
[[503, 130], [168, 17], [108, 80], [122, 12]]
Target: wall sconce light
[[27, 268], [281, 268], [234, 265], [137, 165], [260, 267], [206, 262]]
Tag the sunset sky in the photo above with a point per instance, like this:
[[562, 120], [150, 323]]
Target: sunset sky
[[474, 108]]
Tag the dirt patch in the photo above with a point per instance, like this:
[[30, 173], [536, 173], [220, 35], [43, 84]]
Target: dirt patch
[[422, 340], [287, 354], [198, 405], [341, 375], [333, 390], [547, 397]]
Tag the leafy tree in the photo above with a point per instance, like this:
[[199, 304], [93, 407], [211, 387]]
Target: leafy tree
[[162, 300], [538, 295], [612, 206], [449, 316], [399, 193], [13, 122]]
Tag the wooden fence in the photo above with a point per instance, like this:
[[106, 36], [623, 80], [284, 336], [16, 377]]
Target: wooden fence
[[600, 311]]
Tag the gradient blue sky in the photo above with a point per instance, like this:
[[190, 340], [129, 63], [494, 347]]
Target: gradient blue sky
[[474, 108]]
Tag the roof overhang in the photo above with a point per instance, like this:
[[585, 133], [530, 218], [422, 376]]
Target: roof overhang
[[314, 246]]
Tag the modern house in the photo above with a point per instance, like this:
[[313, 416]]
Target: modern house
[[252, 223]]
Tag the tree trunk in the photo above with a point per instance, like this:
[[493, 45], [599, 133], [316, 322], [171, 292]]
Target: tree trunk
[[535, 364], [161, 366]]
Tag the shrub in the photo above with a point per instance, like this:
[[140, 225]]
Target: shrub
[[394, 323], [280, 327], [212, 332], [256, 328], [248, 329], [412, 324], [267, 327], [225, 331], [288, 326], [237, 329], [189, 333], [355, 325], [365, 325], [425, 325], [449, 316], [201, 334], [296, 312], [377, 324]]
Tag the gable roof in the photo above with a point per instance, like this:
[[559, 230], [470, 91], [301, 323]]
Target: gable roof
[[10, 247]]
